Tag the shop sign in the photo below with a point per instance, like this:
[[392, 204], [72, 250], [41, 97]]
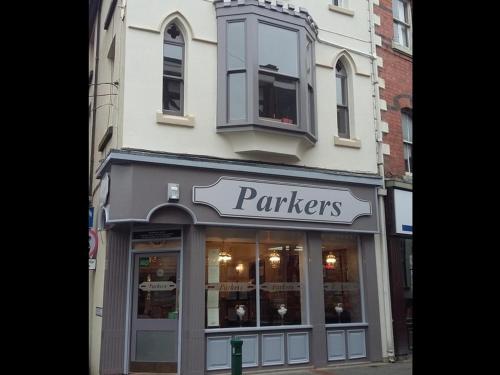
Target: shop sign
[[157, 286], [403, 211], [247, 198]]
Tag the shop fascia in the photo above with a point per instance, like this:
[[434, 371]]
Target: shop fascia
[[275, 200]]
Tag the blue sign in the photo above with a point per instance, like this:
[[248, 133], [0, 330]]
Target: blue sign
[[91, 217]]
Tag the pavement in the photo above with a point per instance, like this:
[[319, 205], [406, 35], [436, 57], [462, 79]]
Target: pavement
[[403, 367]]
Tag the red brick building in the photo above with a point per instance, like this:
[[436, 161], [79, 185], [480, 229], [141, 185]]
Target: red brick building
[[394, 26]]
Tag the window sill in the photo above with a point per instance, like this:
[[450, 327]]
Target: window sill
[[162, 118], [345, 325], [354, 143], [341, 10], [400, 48]]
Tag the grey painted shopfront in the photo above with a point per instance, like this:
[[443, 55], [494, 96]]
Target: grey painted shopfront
[[298, 284]]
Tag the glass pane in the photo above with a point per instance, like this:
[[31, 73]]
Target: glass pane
[[230, 278], [278, 98], [341, 84], [342, 291], [172, 60], [408, 157], [278, 50], [237, 96], [235, 45], [396, 33], [282, 278], [310, 93], [156, 346], [157, 288], [407, 127], [343, 122], [404, 36], [309, 62], [171, 95], [172, 33]]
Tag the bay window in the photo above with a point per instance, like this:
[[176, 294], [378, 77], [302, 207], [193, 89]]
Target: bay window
[[266, 70]]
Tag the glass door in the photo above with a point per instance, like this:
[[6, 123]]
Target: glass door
[[154, 333]]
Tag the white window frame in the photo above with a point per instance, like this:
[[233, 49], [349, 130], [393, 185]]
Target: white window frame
[[407, 143], [406, 23]]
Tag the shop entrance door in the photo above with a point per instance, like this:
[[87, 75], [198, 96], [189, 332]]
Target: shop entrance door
[[155, 306]]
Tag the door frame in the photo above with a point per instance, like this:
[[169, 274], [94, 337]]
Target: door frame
[[128, 307]]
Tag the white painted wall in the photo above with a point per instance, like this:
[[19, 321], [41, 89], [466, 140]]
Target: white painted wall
[[142, 82]]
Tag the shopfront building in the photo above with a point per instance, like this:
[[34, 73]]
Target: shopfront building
[[200, 251]]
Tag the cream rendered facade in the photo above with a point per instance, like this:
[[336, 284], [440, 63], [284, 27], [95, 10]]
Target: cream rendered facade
[[130, 103]]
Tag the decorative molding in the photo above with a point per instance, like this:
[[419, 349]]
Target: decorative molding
[[380, 62], [297, 347], [273, 352], [386, 149], [356, 343], [218, 353], [378, 40], [381, 83], [336, 348], [376, 19], [383, 105], [384, 127]]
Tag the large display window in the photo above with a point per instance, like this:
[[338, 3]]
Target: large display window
[[341, 278], [255, 278]]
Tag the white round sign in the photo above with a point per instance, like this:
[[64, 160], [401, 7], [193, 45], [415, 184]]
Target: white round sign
[[92, 243]]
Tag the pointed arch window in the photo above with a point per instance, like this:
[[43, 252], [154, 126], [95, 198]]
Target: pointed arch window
[[173, 70], [342, 101]]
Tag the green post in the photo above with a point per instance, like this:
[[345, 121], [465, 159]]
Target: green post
[[236, 356]]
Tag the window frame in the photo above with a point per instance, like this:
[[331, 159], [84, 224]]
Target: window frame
[[174, 78], [253, 16], [406, 23], [346, 107], [407, 143]]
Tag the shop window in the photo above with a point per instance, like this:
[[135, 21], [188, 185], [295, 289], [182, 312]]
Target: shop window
[[341, 280], [246, 266], [274, 89], [173, 70]]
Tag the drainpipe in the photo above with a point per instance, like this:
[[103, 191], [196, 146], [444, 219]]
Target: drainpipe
[[386, 312], [94, 111]]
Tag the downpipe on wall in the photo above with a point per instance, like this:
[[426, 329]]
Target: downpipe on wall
[[385, 311]]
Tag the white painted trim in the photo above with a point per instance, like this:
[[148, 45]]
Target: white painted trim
[[400, 48], [376, 19], [282, 342], [384, 127], [163, 118], [381, 83], [386, 149], [383, 105], [378, 40], [288, 348], [354, 143], [380, 62], [144, 28], [347, 325], [335, 8]]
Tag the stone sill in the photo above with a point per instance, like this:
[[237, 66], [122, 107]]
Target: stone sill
[[354, 143], [163, 118], [341, 10], [402, 49]]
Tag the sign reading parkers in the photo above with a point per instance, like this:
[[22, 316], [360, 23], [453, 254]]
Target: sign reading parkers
[[238, 197]]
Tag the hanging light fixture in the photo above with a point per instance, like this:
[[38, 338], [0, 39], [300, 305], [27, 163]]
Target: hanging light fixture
[[274, 259], [330, 261], [224, 256]]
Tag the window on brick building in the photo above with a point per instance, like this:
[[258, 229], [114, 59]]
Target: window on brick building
[[342, 105], [407, 124], [402, 22], [173, 70]]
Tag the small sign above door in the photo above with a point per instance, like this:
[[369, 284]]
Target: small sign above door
[[156, 234]]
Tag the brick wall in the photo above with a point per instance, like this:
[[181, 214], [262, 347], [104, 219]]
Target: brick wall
[[397, 73]]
